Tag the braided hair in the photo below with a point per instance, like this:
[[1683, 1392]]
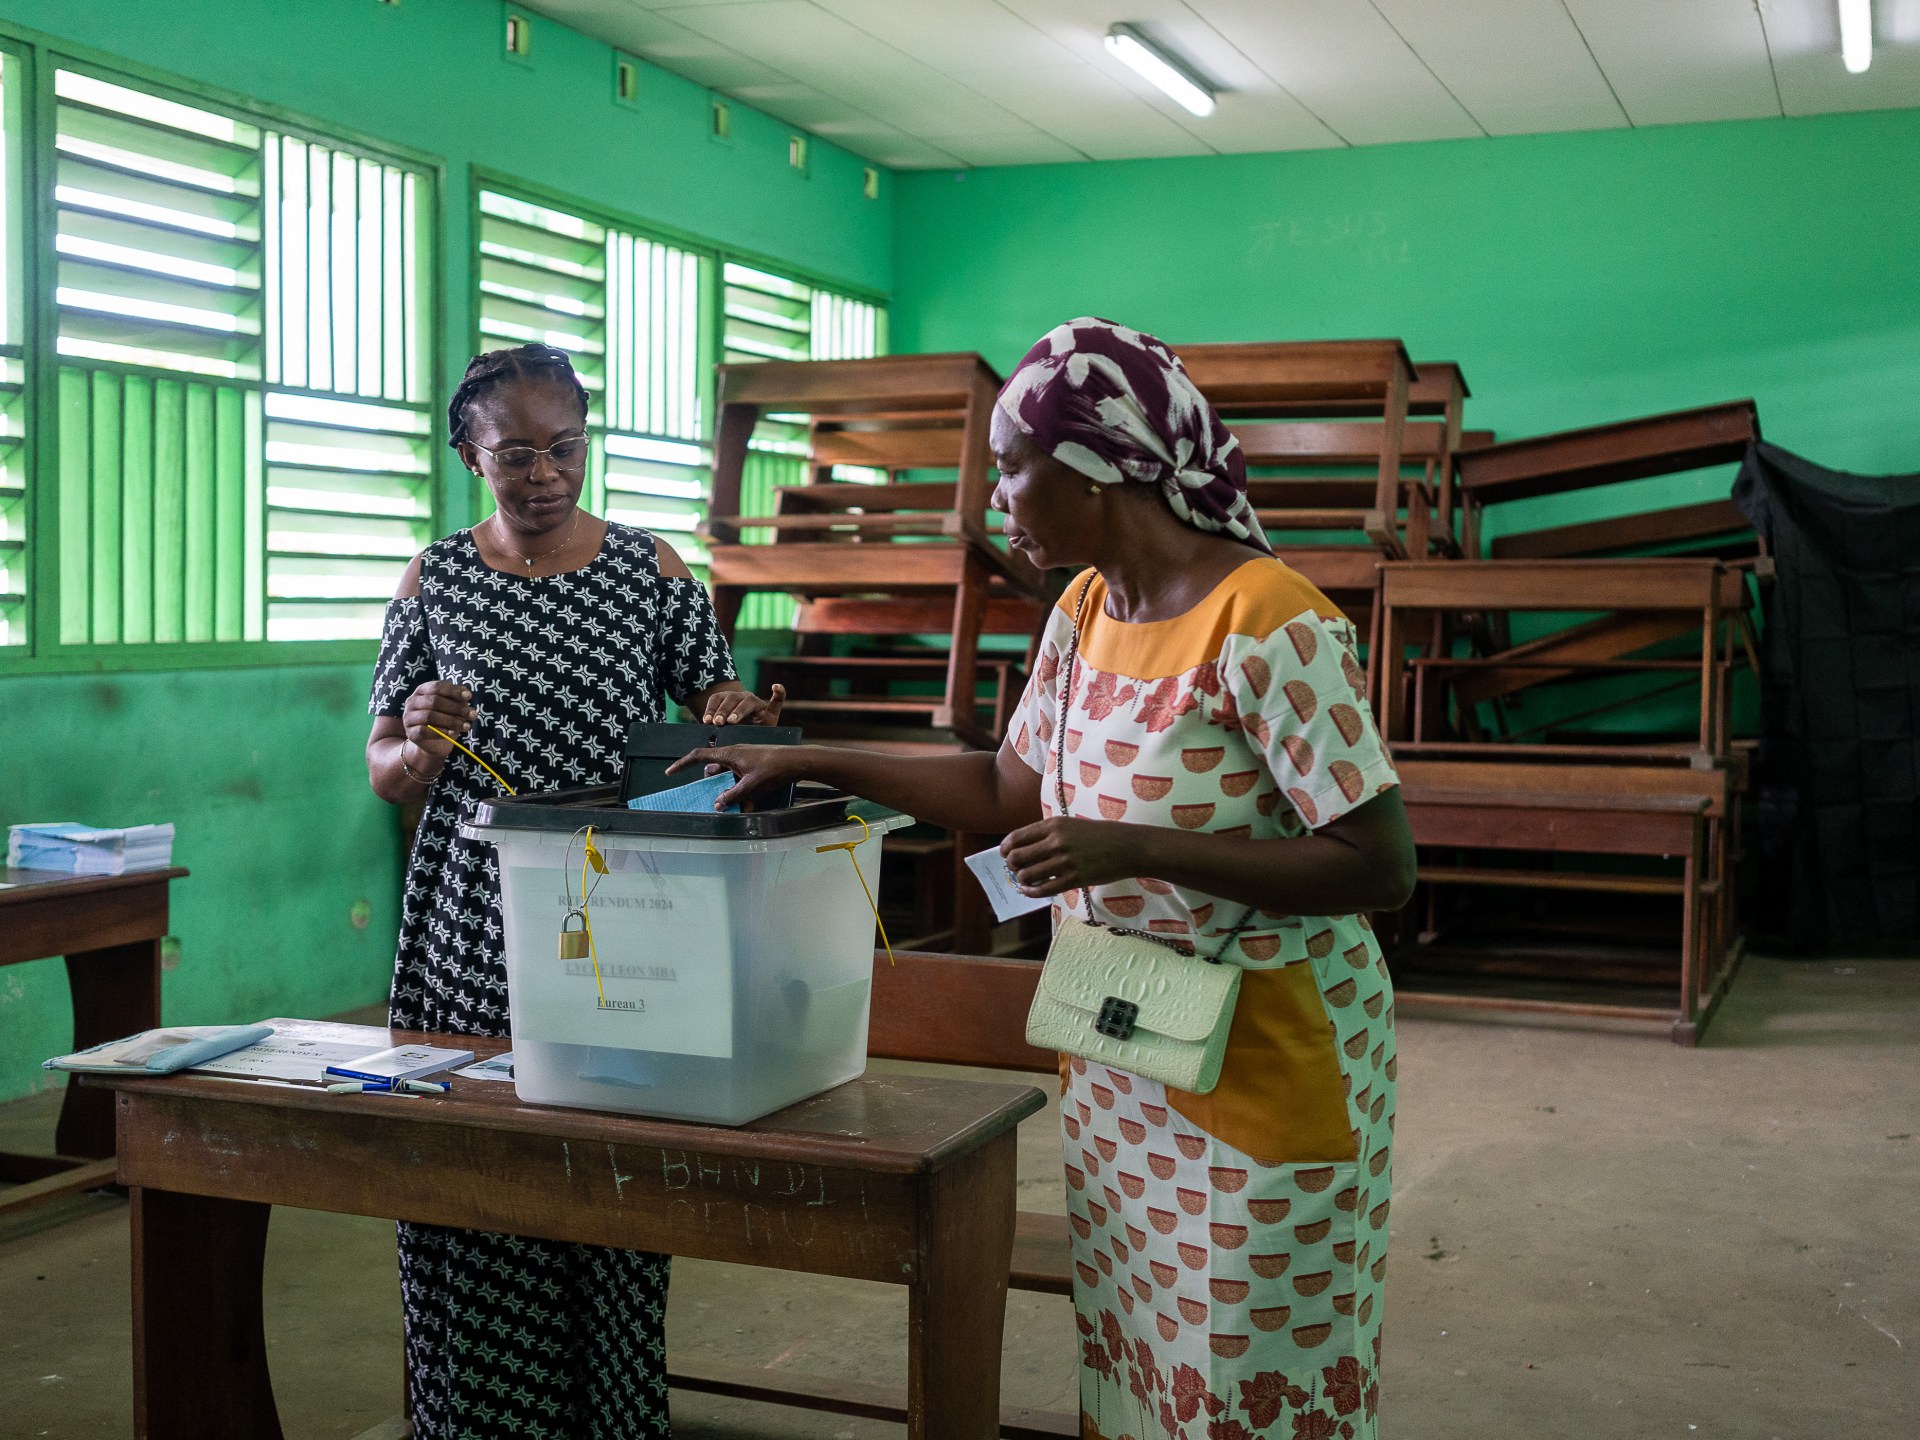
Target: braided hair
[[501, 367]]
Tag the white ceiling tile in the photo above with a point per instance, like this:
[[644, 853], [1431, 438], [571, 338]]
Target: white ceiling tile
[[1671, 63], [624, 25], [1252, 124], [797, 104], [1518, 66], [1086, 108], [808, 44], [936, 83], [887, 146], [1345, 64], [1032, 148], [951, 34]]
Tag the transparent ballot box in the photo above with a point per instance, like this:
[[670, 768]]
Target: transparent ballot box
[[731, 955]]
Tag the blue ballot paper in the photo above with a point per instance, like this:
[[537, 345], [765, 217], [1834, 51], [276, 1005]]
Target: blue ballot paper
[[161, 1052], [694, 799]]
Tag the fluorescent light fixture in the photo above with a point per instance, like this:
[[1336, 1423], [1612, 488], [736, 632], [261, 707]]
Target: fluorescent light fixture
[[1856, 35], [1126, 44]]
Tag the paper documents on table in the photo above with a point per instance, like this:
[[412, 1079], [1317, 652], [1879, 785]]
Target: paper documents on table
[[990, 868], [301, 1050], [497, 1067], [84, 850], [162, 1051]]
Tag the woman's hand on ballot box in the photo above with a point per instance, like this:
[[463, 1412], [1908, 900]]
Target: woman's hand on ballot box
[[755, 767], [730, 704]]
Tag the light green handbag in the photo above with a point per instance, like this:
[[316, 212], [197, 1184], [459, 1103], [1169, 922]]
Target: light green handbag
[[1116, 998], [1127, 998]]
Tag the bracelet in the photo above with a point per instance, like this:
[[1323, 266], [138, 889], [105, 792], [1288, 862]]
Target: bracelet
[[408, 769]]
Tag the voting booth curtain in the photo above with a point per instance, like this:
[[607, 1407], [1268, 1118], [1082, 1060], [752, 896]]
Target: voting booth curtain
[[1839, 774]]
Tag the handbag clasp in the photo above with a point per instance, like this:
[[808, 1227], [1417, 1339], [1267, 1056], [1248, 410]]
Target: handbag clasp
[[1117, 1017]]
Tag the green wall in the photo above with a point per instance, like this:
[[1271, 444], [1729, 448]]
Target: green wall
[[1578, 278], [261, 770]]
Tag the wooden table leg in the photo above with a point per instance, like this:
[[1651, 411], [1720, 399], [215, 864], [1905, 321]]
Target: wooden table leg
[[199, 1344], [957, 1304], [116, 992]]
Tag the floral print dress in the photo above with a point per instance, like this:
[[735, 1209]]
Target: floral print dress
[[1229, 1249]]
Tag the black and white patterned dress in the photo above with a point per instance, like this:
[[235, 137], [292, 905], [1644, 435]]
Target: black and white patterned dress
[[504, 1335]]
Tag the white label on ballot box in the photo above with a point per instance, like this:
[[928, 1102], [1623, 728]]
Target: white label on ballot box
[[666, 968]]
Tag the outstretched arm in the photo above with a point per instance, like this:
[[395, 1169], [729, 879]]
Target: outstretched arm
[[973, 791]]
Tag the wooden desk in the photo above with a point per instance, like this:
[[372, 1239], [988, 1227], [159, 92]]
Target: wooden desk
[[1594, 814], [901, 1179], [109, 927]]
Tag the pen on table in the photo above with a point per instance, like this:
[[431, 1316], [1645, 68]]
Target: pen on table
[[397, 1087]]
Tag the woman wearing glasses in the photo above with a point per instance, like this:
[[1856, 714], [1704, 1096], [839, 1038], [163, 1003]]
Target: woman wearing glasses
[[537, 638]]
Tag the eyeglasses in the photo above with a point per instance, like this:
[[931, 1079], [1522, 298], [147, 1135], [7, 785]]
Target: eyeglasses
[[568, 454]]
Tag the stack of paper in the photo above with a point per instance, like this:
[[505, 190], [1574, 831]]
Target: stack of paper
[[161, 1052], [82, 850]]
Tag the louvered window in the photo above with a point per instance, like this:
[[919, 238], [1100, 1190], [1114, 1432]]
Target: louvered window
[[631, 312], [14, 563], [243, 419]]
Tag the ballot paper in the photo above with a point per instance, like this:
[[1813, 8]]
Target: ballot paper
[[696, 798], [301, 1050], [990, 869]]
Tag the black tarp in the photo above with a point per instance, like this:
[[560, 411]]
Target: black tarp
[[1838, 779]]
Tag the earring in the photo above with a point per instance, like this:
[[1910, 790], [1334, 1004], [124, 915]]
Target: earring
[[1093, 489]]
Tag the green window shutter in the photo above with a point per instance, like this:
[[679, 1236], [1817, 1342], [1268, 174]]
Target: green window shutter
[[14, 539], [630, 312], [348, 504], [158, 231], [243, 392]]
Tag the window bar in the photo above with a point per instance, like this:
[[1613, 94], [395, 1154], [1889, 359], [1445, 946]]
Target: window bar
[[369, 288], [254, 522], [293, 308], [136, 467], [319, 269], [410, 279], [270, 337], [393, 294], [343, 234]]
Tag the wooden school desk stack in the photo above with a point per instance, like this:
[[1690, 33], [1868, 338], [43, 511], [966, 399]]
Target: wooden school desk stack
[[880, 571], [1517, 783], [1340, 472]]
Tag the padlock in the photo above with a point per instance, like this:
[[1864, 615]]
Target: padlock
[[573, 943]]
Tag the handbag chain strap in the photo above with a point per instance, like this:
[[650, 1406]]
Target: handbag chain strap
[[1060, 794]]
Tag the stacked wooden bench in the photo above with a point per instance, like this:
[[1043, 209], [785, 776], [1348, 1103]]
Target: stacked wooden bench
[[877, 562], [880, 573], [1351, 455], [1559, 801]]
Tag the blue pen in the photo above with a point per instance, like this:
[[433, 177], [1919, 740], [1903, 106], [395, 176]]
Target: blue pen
[[382, 1087]]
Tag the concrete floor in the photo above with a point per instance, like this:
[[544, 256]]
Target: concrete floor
[[1593, 1235]]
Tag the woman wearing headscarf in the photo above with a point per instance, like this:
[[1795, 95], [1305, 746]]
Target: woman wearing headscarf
[[1215, 778]]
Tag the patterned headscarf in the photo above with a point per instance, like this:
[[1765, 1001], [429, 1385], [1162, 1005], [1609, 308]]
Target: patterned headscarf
[[1117, 405]]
